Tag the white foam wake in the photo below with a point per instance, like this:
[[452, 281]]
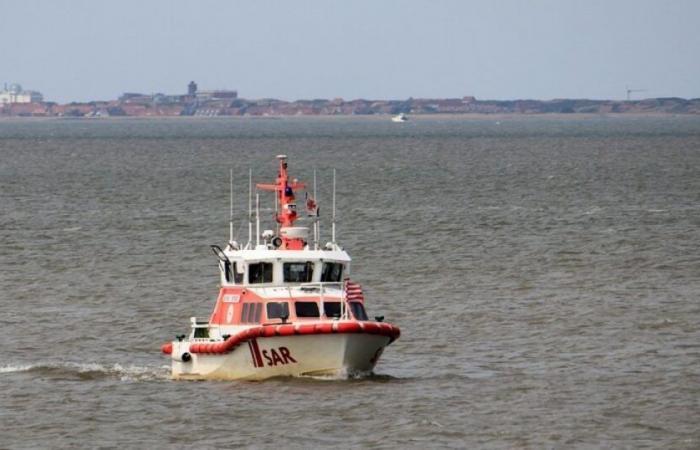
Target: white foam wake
[[10, 369], [87, 371]]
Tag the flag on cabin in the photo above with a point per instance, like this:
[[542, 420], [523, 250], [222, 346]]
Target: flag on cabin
[[353, 291]]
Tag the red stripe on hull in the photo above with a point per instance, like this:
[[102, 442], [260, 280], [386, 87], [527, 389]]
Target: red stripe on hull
[[256, 349], [252, 353]]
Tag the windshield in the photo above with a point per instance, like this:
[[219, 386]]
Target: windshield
[[298, 272], [332, 272]]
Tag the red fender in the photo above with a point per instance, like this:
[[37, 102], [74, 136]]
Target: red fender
[[284, 330], [323, 328], [393, 332], [257, 332], [269, 331], [305, 329], [371, 327], [381, 328], [348, 327], [231, 343]]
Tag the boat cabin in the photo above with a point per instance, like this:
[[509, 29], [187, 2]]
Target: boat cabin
[[268, 286], [282, 276], [275, 272], [275, 268]]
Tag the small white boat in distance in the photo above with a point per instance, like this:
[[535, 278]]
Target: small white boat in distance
[[399, 118]]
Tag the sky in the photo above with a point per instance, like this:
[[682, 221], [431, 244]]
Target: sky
[[83, 50]]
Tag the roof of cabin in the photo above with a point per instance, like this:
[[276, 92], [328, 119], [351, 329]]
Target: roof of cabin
[[292, 255]]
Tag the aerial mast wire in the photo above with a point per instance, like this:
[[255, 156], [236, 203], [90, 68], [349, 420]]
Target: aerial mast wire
[[316, 223], [333, 223], [250, 207], [257, 219], [277, 224], [230, 220]]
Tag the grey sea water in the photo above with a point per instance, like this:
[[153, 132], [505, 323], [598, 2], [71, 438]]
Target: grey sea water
[[545, 274]]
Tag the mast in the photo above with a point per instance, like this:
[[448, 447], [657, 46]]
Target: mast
[[250, 207], [230, 217], [257, 219], [293, 238], [277, 224], [317, 225], [333, 223]]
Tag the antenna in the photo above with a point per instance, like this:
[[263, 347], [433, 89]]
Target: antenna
[[277, 224], [257, 218], [630, 91], [250, 206], [316, 223], [333, 223], [230, 218]]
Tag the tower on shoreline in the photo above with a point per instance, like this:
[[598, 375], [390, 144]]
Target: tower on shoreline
[[192, 88]]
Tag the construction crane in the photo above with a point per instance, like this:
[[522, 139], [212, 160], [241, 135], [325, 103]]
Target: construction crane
[[630, 91]]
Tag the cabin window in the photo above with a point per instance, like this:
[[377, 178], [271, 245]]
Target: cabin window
[[277, 310], [231, 273], [258, 312], [260, 272], [358, 310], [201, 333], [306, 309], [251, 312], [331, 309], [332, 272], [298, 272], [237, 277], [228, 272]]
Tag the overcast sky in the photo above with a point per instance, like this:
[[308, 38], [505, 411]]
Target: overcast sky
[[378, 49]]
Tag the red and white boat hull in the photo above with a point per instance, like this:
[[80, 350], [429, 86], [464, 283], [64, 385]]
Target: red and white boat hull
[[266, 357], [286, 306]]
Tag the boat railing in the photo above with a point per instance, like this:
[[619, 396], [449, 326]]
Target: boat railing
[[322, 287], [200, 328]]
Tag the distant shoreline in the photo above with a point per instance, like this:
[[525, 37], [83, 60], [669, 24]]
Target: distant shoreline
[[369, 117], [227, 104]]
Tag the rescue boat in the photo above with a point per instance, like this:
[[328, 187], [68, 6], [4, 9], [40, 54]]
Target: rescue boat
[[286, 305]]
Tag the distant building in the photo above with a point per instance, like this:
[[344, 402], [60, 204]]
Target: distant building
[[129, 95], [192, 88], [15, 94], [162, 99], [136, 98], [216, 95]]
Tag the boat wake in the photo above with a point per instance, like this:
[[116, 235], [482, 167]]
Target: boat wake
[[345, 375], [90, 371], [340, 375]]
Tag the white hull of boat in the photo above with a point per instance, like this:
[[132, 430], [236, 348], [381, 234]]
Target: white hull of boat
[[298, 356]]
